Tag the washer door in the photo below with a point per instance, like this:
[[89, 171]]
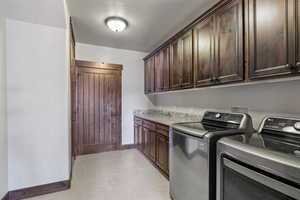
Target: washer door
[[188, 167]]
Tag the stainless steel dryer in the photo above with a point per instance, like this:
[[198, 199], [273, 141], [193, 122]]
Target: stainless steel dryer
[[193, 153]]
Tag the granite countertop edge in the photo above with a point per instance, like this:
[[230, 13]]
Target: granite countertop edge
[[163, 119]]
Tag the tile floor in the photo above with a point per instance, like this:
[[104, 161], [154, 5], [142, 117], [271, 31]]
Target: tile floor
[[125, 175]]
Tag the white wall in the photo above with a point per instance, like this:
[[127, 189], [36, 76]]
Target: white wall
[[132, 80], [37, 85], [68, 31], [281, 98], [3, 130]]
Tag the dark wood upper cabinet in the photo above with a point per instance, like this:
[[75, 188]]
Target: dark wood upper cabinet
[[158, 72], [162, 70], [218, 46], [181, 67], [229, 43], [204, 52], [149, 75], [187, 79], [175, 65], [234, 41], [271, 37]]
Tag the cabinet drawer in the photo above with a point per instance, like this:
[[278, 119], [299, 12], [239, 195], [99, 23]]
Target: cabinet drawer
[[149, 125], [138, 121], [161, 129]]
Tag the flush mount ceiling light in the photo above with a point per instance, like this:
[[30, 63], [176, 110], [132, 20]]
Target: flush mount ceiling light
[[116, 24]]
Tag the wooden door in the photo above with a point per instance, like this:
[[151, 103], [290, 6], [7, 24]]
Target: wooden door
[[271, 47], [176, 65], [149, 75], [162, 157], [162, 70], [204, 52], [98, 107], [187, 78], [229, 49]]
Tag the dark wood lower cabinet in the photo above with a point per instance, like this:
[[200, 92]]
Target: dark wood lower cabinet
[[153, 141], [162, 152], [152, 145], [146, 142]]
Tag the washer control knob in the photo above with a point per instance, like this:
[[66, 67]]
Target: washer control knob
[[297, 153], [218, 116], [297, 126]]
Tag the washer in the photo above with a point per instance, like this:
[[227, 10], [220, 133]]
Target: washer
[[193, 153], [262, 165]]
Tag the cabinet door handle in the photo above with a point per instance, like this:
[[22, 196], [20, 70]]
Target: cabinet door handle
[[290, 66]]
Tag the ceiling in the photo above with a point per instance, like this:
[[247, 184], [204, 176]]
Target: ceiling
[[150, 21], [45, 12]]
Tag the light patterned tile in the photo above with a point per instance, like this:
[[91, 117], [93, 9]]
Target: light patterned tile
[[125, 175]]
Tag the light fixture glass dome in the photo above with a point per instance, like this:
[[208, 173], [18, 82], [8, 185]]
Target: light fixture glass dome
[[116, 24]]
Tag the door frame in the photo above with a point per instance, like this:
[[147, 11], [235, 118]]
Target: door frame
[[74, 77]]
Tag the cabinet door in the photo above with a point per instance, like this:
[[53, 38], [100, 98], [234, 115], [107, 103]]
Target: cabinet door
[[149, 75], [146, 141], [271, 48], [140, 138], [165, 68], [152, 145], [136, 134], [158, 72], [146, 75], [229, 48], [162, 157], [204, 52], [176, 65], [187, 60]]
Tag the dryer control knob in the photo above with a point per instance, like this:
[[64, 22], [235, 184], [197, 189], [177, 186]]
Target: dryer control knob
[[218, 116]]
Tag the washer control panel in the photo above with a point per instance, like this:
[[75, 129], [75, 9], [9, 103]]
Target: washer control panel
[[282, 125], [232, 118]]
